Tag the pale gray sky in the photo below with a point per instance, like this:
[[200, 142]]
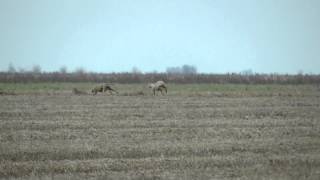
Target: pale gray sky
[[114, 35]]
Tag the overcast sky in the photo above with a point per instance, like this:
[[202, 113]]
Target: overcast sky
[[216, 36]]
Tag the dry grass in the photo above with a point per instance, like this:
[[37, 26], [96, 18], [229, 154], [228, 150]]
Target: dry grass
[[192, 133]]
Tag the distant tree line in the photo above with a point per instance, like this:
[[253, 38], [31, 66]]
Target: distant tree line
[[152, 77], [183, 74], [185, 69]]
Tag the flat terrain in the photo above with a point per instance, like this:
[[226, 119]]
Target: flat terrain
[[203, 131]]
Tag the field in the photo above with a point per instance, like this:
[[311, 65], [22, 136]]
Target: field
[[197, 131]]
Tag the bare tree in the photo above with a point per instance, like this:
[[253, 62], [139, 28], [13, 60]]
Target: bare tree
[[36, 69], [189, 69], [174, 70], [80, 70], [135, 70], [63, 70], [185, 69], [22, 70], [247, 72], [11, 68]]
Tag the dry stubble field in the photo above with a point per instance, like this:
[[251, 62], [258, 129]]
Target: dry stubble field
[[195, 132]]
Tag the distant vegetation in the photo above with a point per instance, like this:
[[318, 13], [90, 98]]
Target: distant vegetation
[[82, 76], [185, 69], [184, 74]]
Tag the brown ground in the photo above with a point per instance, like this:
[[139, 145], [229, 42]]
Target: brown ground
[[202, 136]]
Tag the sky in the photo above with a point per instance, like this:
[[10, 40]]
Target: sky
[[215, 36]]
